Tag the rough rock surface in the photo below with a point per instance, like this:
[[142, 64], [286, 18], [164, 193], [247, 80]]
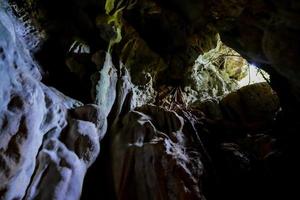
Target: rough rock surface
[[265, 32], [47, 140], [162, 154], [154, 157], [121, 53], [252, 103]]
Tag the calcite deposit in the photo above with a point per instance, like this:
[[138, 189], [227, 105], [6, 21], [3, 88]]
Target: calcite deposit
[[141, 99], [47, 140]]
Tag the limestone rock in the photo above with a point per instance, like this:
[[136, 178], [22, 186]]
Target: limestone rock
[[251, 107], [106, 85], [47, 140], [256, 102], [266, 34], [149, 147], [63, 159]]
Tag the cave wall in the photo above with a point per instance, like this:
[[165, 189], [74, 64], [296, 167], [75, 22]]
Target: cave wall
[[48, 140], [113, 58], [265, 32]]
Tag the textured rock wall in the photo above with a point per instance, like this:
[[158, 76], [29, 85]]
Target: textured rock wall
[[215, 149], [265, 32], [209, 152], [47, 140], [154, 156]]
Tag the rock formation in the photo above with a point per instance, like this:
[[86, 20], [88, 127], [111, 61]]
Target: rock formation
[[154, 156], [156, 85], [48, 140]]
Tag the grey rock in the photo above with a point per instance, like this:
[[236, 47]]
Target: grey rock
[[148, 149], [47, 140]]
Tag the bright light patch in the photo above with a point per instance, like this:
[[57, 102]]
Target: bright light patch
[[255, 75]]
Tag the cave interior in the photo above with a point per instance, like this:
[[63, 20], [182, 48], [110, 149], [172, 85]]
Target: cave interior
[[149, 99]]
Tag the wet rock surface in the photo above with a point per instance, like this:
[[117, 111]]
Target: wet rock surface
[[48, 140], [159, 90]]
